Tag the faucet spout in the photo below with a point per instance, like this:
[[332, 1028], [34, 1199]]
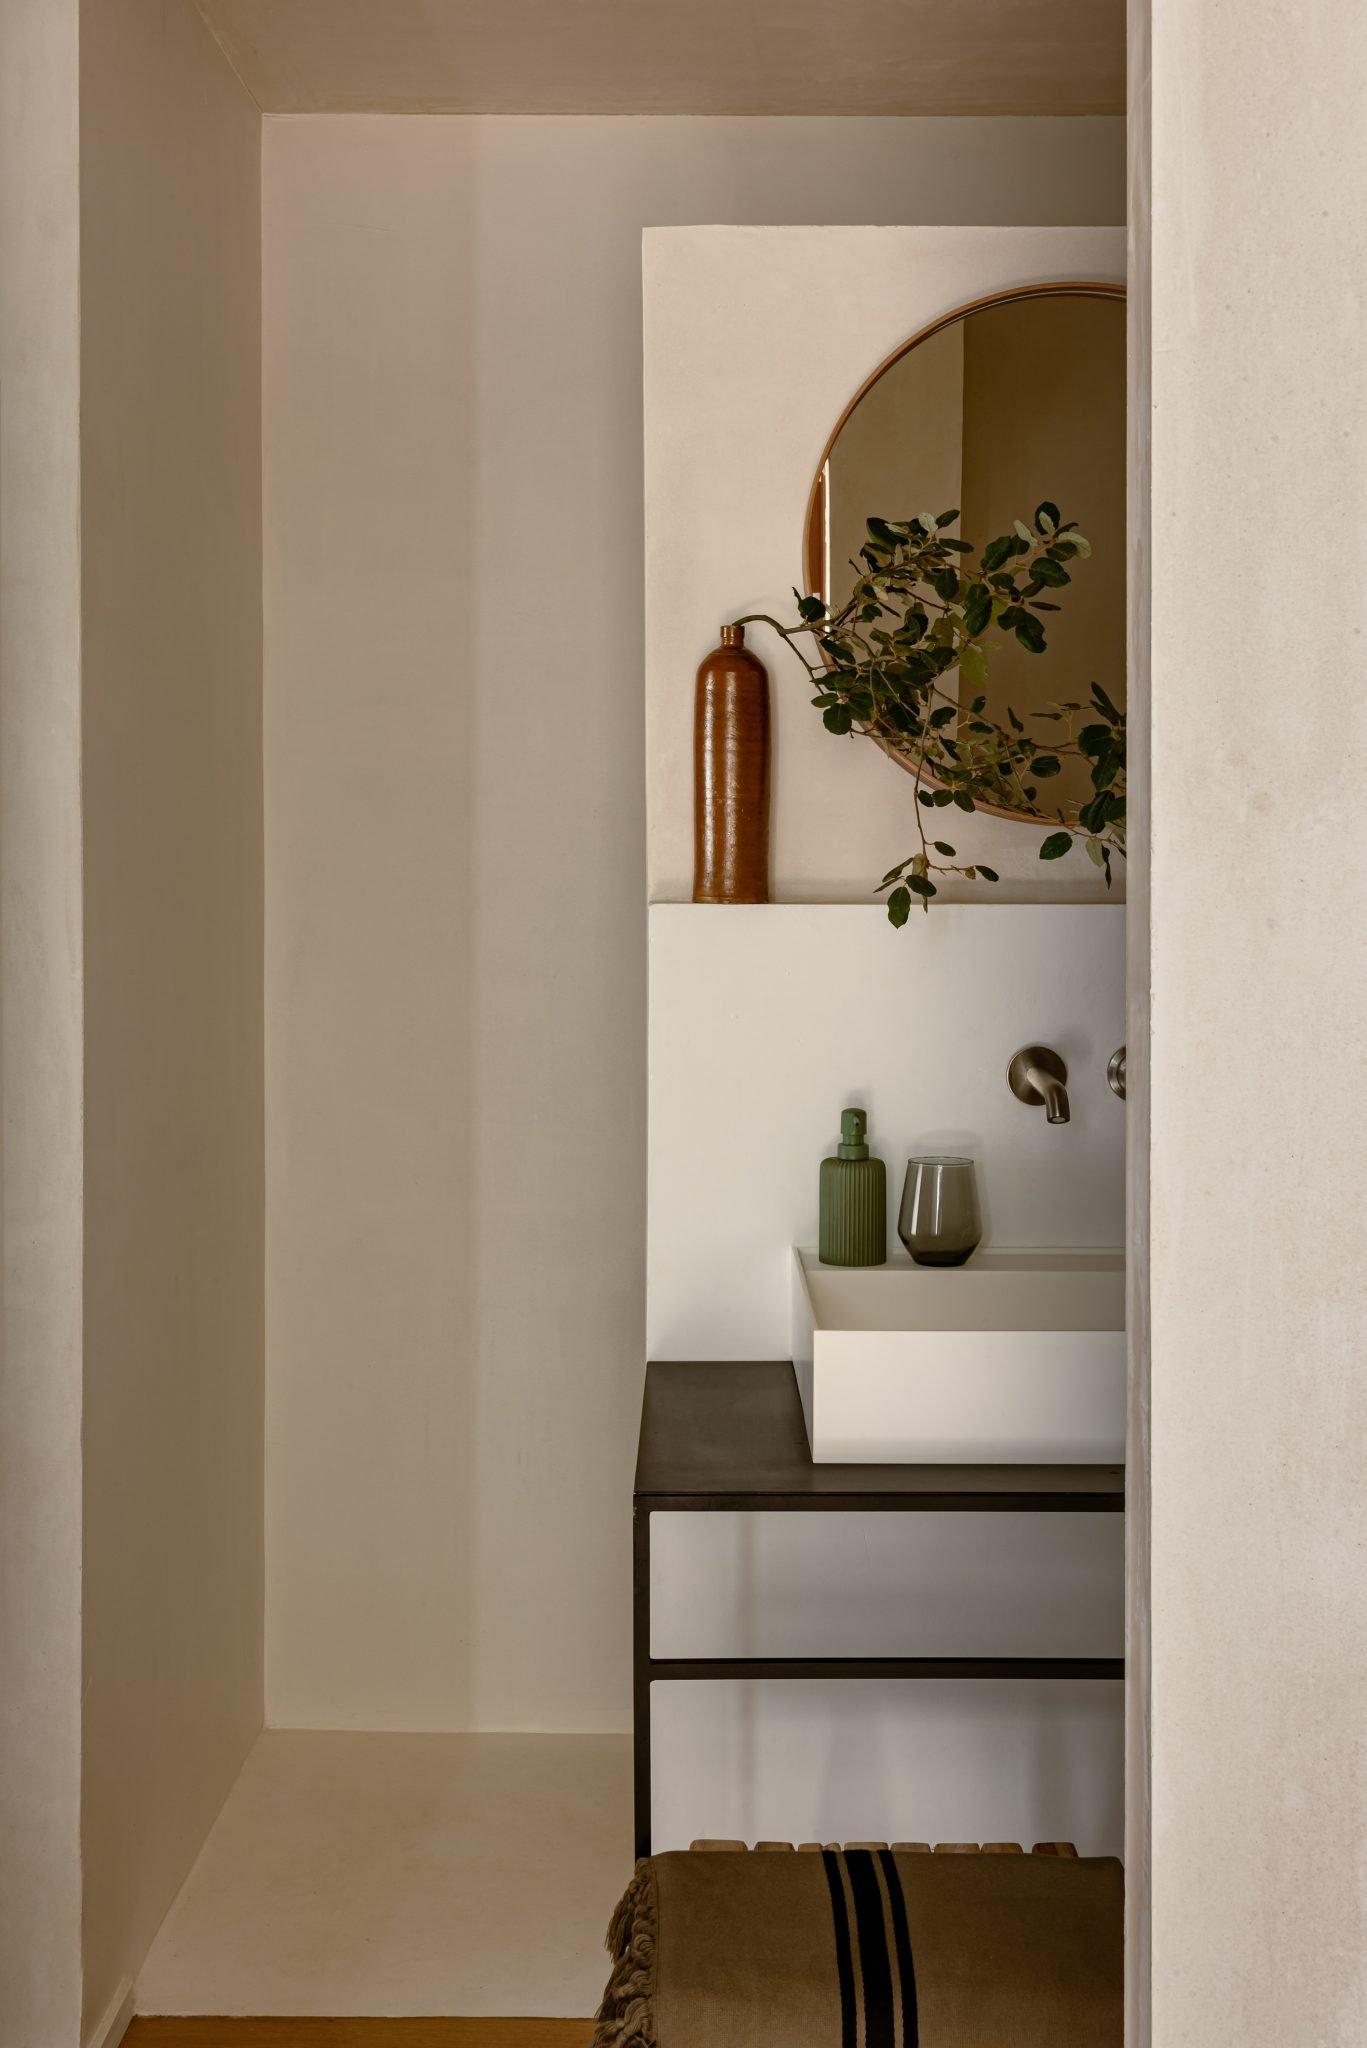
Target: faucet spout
[[1037, 1075], [1056, 1110]]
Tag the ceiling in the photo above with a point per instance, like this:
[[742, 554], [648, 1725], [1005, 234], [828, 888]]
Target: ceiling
[[677, 56]]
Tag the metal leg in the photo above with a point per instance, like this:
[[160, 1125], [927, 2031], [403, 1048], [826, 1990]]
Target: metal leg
[[640, 1663]]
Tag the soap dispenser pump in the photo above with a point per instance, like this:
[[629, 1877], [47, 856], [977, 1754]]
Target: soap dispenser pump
[[854, 1200]]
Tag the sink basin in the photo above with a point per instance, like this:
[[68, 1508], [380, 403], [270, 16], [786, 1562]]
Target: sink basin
[[1017, 1358]]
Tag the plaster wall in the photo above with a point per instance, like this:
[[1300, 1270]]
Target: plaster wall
[[40, 1028], [749, 364], [171, 801], [456, 847], [1253, 252]]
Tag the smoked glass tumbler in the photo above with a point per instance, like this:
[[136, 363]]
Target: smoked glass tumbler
[[939, 1222]]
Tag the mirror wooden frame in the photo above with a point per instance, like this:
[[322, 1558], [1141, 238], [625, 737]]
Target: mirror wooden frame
[[814, 522]]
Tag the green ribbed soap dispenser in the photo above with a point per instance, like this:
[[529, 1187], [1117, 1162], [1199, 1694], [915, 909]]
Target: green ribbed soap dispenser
[[854, 1200]]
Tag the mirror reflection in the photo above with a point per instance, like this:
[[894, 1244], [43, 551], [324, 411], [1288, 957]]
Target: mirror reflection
[[1015, 401]]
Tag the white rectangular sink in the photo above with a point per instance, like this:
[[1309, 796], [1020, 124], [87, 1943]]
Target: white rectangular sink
[[1017, 1358]]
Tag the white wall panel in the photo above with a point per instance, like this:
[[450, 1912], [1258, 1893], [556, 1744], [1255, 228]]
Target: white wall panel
[[767, 1020]]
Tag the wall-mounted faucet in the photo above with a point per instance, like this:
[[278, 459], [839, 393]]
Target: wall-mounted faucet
[[1036, 1075]]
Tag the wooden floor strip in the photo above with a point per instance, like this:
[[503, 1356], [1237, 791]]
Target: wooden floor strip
[[357, 2033]]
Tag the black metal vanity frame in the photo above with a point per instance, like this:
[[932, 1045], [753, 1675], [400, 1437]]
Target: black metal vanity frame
[[717, 1438]]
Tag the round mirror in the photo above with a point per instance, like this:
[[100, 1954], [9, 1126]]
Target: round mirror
[[1003, 405]]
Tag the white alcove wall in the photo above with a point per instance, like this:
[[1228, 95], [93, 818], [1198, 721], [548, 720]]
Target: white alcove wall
[[454, 1028]]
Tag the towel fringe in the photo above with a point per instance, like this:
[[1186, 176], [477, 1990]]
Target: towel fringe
[[626, 2018]]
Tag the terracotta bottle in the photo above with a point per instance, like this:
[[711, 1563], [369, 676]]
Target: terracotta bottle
[[731, 775]]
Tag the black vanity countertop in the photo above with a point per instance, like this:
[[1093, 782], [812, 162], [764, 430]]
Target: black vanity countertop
[[732, 1436]]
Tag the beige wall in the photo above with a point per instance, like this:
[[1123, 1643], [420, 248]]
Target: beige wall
[[736, 417], [170, 386], [456, 860], [40, 1030], [1254, 249]]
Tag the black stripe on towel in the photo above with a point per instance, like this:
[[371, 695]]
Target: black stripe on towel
[[844, 1963], [875, 1966], [901, 1937]]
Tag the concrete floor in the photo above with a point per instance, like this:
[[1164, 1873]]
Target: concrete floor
[[403, 1874]]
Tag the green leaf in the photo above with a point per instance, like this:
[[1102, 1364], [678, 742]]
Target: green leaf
[[1056, 845], [948, 518], [964, 800], [893, 874], [943, 846], [945, 584], [1045, 764], [899, 907], [943, 715], [1046, 517], [977, 609], [810, 608], [1023, 532], [995, 553], [1050, 575], [1030, 634], [925, 796], [988, 874], [923, 885], [941, 797], [838, 719], [1105, 704], [879, 530], [1096, 853], [973, 666]]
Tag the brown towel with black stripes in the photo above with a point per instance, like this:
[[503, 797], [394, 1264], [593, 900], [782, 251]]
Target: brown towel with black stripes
[[861, 1948]]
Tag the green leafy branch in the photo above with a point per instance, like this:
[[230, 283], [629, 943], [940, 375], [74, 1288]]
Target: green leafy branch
[[904, 661]]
